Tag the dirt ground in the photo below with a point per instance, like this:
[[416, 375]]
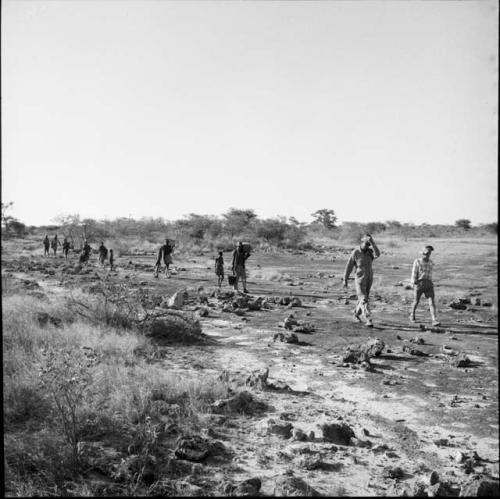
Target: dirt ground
[[408, 411]]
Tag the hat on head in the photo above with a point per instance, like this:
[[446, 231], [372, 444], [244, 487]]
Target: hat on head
[[427, 249]]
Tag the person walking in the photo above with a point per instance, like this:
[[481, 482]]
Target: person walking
[[219, 268], [86, 250], [65, 247], [103, 253], [240, 256], [421, 279], [165, 252], [46, 245], [111, 260], [55, 243], [362, 258]]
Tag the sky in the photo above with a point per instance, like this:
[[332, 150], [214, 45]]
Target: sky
[[379, 110]]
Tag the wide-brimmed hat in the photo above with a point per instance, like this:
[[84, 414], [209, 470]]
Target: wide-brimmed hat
[[427, 249]]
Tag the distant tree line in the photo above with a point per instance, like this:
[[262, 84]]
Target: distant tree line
[[236, 224]]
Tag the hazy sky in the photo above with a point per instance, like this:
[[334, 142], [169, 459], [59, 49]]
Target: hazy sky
[[377, 109]]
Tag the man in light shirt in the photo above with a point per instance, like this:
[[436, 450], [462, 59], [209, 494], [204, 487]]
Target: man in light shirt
[[361, 259], [421, 278]]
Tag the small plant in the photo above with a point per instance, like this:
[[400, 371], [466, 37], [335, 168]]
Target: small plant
[[66, 374]]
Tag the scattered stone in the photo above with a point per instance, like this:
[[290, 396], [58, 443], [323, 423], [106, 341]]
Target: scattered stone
[[178, 299], [279, 428], [440, 489], [459, 457], [290, 322], [286, 337], [287, 485], [249, 487], [305, 328], [395, 472], [203, 311], [298, 435], [336, 433], [310, 462], [241, 402], [258, 379], [480, 487], [458, 305], [197, 448], [417, 340], [434, 478], [363, 353], [462, 361], [414, 351]]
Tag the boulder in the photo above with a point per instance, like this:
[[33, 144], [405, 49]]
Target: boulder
[[362, 353], [298, 435], [258, 378], [249, 487], [279, 428], [296, 302], [480, 487], [241, 402], [337, 433], [287, 485], [290, 322], [178, 299], [197, 448], [414, 351], [462, 361], [286, 337]]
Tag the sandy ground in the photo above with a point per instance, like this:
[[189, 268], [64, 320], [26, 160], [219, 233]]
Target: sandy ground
[[421, 408]]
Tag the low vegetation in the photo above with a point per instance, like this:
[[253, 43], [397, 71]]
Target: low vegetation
[[77, 390]]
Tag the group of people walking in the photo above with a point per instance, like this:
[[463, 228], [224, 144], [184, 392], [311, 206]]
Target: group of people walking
[[360, 260], [84, 254]]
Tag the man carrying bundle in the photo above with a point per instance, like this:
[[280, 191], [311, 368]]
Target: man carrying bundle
[[165, 252]]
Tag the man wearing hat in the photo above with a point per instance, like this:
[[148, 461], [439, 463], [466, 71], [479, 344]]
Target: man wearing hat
[[362, 259], [421, 278]]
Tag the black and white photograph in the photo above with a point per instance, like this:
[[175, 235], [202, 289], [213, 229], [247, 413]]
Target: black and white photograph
[[250, 248]]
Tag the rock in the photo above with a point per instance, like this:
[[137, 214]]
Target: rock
[[459, 457], [279, 428], [310, 462], [249, 487], [462, 361], [408, 287], [458, 305], [298, 435], [441, 489], [293, 486], [336, 433], [477, 302], [305, 328], [241, 402], [395, 472], [203, 312], [363, 353], [258, 378], [414, 351], [480, 487], [197, 448], [290, 322], [178, 299], [417, 340], [434, 478], [296, 302], [286, 337], [194, 448], [285, 300]]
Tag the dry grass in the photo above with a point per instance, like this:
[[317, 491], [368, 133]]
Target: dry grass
[[127, 399]]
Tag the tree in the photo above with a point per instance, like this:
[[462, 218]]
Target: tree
[[325, 217], [6, 219], [70, 225], [236, 221], [463, 223]]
